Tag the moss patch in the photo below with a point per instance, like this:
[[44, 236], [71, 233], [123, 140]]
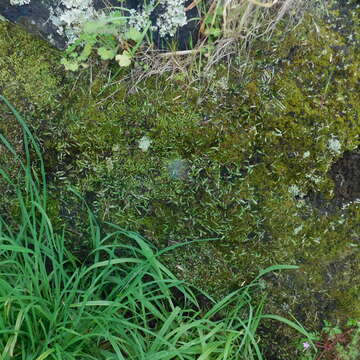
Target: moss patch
[[29, 70]]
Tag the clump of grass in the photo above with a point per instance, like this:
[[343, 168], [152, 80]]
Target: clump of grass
[[122, 303]]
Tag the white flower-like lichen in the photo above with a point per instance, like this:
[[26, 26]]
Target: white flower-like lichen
[[298, 229], [169, 20], [19, 2], [144, 143], [306, 154], [173, 18], [334, 145], [68, 16], [139, 19]]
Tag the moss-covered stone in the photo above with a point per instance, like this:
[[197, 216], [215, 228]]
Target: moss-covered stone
[[30, 74], [253, 153]]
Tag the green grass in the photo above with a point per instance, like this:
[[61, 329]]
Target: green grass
[[120, 302]]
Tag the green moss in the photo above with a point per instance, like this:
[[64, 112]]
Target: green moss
[[28, 67]]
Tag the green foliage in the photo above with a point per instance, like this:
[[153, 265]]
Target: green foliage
[[120, 302], [349, 348], [212, 25], [336, 342], [107, 36], [330, 330]]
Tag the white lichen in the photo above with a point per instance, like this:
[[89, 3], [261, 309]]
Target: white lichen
[[306, 154], [140, 18], [298, 229], [144, 143], [69, 15], [334, 145], [19, 2], [173, 18], [168, 21], [294, 190]]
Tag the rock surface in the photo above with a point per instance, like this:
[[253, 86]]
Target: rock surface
[[55, 21], [34, 18]]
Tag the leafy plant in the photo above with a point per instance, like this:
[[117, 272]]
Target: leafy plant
[[339, 343], [107, 36], [334, 342]]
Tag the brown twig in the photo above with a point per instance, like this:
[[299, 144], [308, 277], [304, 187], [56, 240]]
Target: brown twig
[[179, 53], [192, 5]]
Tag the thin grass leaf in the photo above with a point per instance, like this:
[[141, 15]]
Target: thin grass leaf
[[292, 324], [274, 268], [16, 248], [44, 355]]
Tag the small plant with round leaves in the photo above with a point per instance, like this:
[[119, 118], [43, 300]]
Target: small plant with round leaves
[[109, 37]]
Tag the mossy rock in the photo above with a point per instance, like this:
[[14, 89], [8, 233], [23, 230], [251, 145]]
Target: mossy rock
[[253, 153], [30, 73]]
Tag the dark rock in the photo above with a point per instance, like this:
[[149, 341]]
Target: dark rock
[[345, 173], [35, 18]]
